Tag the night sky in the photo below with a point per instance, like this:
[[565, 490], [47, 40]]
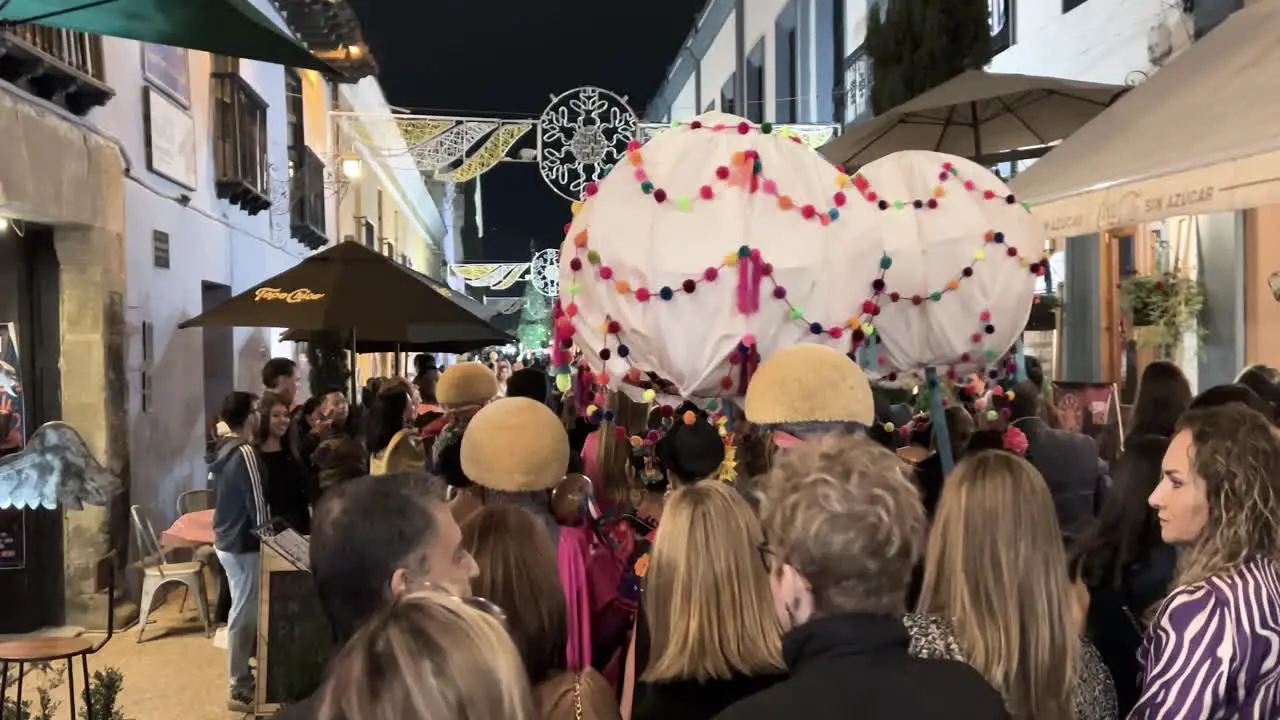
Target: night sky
[[506, 58]]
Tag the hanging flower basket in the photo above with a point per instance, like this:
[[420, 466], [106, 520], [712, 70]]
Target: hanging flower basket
[[1044, 313], [1166, 306]]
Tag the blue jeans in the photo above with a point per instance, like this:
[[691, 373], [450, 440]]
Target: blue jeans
[[242, 625]]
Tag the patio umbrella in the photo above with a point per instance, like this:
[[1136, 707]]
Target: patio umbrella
[[976, 114], [353, 290]]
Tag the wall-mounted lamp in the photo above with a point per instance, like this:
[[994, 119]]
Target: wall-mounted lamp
[[351, 168]]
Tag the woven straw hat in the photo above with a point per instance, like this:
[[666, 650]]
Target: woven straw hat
[[809, 383], [515, 445], [469, 383]]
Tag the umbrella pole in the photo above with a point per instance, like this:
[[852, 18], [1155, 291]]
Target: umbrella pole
[[355, 381], [977, 130], [397, 360]]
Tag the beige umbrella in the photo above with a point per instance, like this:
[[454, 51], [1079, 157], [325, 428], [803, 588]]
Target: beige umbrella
[[976, 115]]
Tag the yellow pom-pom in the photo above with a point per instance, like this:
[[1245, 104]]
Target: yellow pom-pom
[[493, 356], [1010, 395], [888, 427], [689, 417], [637, 441], [979, 255], [575, 207], [563, 383], [842, 180], [992, 415], [722, 421], [591, 409], [650, 396], [731, 259]]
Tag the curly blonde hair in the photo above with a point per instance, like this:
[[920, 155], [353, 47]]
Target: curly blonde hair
[[846, 514], [1236, 455]]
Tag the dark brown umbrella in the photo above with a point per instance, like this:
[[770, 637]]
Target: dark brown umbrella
[[351, 289]]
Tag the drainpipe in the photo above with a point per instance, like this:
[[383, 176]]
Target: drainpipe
[[740, 71]]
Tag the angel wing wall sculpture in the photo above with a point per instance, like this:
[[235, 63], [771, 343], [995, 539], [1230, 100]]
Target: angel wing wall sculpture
[[55, 469]]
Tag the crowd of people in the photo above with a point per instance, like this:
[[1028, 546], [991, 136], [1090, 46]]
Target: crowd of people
[[485, 547]]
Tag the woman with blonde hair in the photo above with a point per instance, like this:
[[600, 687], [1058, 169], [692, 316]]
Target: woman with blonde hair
[[713, 638], [429, 656], [1212, 651], [996, 594], [518, 572], [844, 527]]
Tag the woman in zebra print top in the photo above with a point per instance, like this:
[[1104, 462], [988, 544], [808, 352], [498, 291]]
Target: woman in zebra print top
[[1213, 651]]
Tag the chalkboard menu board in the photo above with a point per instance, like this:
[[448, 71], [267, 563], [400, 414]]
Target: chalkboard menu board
[[13, 539], [298, 638]]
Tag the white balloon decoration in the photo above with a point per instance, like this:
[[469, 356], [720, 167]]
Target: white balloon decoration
[[718, 243]]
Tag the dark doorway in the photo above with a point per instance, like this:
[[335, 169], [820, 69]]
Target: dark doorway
[[30, 395], [219, 354]]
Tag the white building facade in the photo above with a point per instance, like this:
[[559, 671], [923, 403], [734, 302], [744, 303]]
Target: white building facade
[[149, 185], [804, 60]]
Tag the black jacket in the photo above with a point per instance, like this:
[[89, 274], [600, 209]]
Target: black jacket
[[1073, 470], [691, 700], [857, 666], [240, 505]]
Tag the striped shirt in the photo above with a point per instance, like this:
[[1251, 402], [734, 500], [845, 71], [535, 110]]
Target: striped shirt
[[1213, 652]]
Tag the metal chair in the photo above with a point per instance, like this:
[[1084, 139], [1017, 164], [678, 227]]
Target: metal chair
[[158, 571], [30, 651], [195, 500]]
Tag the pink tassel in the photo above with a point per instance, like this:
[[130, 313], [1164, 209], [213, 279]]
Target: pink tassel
[[750, 274]]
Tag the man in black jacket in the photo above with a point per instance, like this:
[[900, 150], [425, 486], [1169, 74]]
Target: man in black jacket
[[240, 509], [374, 538]]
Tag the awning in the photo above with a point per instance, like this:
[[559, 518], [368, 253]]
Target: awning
[[234, 28], [1202, 135], [976, 114]]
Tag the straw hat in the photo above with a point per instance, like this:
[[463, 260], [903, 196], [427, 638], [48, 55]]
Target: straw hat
[[809, 383], [515, 445], [469, 383]]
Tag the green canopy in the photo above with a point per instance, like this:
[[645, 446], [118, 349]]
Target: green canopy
[[234, 28]]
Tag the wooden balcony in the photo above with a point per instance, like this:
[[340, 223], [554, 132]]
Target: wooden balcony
[[64, 67], [306, 198], [240, 143]]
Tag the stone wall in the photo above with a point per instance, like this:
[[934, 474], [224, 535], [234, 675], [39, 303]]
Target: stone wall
[[56, 172]]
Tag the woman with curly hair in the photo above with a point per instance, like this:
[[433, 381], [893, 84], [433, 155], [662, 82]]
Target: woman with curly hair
[[1212, 651]]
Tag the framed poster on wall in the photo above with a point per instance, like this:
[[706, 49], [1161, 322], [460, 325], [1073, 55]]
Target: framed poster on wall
[[169, 69], [12, 408], [171, 138], [13, 539]]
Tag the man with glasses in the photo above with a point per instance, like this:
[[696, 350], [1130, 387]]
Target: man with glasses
[[236, 474], [374, 539]]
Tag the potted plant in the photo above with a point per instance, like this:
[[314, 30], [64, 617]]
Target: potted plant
[[1044, 312], [1165, 305]]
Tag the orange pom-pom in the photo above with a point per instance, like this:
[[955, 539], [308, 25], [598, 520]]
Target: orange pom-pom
[[785, 202], [689, 417], [953, 284], [580, 240], [622, 286]]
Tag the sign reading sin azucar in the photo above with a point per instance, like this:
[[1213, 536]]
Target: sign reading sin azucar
[[300, 295]]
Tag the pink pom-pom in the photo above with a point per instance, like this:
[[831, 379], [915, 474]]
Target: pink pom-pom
[[770, 187], [591, 189], [749, 340], [985, 316], [606, 272]]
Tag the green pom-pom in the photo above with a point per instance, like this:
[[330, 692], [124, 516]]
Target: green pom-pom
[[935, 296], [766, 128], [684, 204], [744, 252], [897, 204], [886, 262], [797, 313], [646, 187], [593, 257], [711, 405]]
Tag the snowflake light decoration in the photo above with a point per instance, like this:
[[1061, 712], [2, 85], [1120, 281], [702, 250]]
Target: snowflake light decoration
[[581, 135], [544, 272]]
